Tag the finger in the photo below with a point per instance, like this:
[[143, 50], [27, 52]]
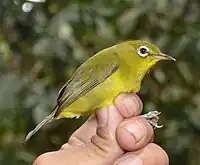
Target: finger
[[128, 104], [152, 154], [108, 117], [134, 133], [83, 135]]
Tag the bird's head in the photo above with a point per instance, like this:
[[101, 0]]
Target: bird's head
[[147, 54]]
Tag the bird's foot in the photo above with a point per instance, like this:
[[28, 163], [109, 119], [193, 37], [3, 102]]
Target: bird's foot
[[152, 117]]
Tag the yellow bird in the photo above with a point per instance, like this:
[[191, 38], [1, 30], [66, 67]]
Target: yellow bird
[[98, 80]]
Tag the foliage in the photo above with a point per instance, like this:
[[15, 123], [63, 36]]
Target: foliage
[[41, 44]]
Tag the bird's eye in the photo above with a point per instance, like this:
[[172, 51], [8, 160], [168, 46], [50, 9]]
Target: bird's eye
[[143, 51]]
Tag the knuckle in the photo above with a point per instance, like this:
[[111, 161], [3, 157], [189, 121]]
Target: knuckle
[[102, 147], [76, 140]]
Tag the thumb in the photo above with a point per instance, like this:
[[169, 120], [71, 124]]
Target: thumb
[[102, 148], [102, 145]]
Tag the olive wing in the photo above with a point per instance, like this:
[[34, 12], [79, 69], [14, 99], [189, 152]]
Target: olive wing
[[89, 75]]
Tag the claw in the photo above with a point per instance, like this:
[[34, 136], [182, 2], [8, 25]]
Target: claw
[[152, 117], [155, 125]]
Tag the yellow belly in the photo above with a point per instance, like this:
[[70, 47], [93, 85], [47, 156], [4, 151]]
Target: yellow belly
[[100, 96]]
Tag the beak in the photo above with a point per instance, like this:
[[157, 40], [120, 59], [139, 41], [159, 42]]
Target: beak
[[163, 56]]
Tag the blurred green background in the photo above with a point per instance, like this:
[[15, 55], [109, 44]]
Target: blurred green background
[[41, 44]]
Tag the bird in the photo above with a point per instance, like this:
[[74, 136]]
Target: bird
[[114, 70]]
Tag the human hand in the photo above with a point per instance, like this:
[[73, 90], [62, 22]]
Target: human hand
[[113, 136]]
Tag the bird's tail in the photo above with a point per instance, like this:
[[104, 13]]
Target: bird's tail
[[48, 119]]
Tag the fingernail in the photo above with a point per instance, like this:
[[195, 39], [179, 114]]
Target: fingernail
[[136, 101], [137, 129], [102, 117], [128, 101], [129, 160]]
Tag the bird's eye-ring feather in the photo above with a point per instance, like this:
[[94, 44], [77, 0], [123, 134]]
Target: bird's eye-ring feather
[[143, 51]]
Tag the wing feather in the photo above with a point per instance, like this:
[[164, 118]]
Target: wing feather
[[89, 75]]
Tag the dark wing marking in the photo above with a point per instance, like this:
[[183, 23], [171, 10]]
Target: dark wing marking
[[87, 77]]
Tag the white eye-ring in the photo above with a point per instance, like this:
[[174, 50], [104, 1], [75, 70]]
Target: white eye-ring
[[143, 51]]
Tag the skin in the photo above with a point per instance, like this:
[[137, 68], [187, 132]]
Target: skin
[[116, 136]]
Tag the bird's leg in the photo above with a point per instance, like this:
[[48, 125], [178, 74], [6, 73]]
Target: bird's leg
[[152, 117]]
